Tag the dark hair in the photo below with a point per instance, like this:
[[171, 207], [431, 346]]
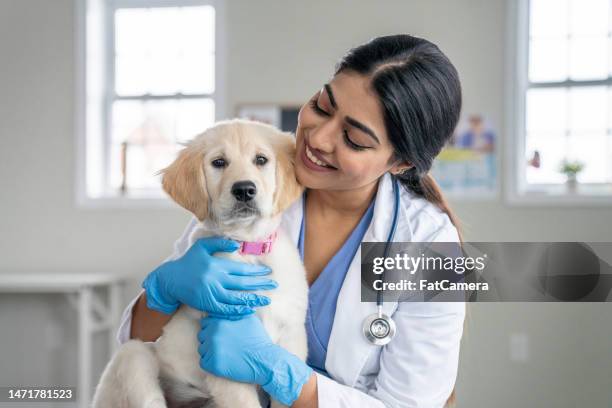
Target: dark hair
[[420, 93]]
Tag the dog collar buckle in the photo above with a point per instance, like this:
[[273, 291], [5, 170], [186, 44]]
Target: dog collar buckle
[[258, 247]]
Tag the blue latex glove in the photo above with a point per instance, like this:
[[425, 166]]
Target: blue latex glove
[[241, 350], [208, 283]]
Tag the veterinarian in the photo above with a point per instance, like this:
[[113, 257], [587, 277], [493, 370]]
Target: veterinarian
[[385, 114]]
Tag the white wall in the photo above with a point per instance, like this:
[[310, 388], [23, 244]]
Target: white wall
[[278, 51]]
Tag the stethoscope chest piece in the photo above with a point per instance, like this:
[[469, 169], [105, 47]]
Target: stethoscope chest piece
[[379, 329]]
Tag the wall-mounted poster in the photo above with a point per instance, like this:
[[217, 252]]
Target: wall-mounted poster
[[466, 167], [283, 117]]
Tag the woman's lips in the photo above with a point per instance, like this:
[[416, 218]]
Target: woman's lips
[[310, 164]]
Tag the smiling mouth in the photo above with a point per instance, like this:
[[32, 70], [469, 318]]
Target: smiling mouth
[[314, 159]]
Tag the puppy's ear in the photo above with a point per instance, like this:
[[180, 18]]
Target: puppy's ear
[[287, 187], [185, 183]]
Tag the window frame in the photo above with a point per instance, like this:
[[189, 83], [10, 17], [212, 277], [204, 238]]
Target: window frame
[[516, 87], [102, 11]]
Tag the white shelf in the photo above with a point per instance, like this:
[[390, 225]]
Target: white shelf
[[54, 282]]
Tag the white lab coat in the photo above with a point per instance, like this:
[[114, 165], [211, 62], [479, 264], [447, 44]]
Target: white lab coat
[[418, 367]]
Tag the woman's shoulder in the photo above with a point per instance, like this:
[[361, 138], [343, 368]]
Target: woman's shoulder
[[426, 221]]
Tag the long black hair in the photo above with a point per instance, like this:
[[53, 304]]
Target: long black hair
[[420, 93]]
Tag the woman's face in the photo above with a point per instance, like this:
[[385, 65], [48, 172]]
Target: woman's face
[[342, 126]]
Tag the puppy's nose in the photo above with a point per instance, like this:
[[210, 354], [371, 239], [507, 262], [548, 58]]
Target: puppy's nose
[[244, 190]]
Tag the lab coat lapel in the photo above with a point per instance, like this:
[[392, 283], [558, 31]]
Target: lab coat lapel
[[348, 349]]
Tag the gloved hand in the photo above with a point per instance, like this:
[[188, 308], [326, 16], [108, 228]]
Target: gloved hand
[[208, 283], [241, 350]]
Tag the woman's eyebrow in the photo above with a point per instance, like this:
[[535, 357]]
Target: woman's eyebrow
[[348, 119], [361, 127], [332, 100]]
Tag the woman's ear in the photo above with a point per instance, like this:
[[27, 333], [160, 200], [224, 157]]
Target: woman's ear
[[287, 187], [185, 183], [400, 167]]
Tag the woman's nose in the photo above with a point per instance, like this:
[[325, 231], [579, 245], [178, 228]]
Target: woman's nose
[[324, 137]]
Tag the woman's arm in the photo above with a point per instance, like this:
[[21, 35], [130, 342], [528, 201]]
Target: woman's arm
[[309, 396], [138, 324], [147, 324]]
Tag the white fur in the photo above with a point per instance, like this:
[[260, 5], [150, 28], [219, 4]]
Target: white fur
[[141, 374]]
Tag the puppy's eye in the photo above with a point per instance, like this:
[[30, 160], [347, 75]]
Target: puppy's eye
[[219, 163], [260, 160]]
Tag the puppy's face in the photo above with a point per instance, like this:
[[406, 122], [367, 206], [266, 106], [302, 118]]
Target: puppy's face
[[235, 172], [240, 170]]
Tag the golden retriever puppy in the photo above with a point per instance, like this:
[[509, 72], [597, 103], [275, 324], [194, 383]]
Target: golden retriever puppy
[[166, 373]]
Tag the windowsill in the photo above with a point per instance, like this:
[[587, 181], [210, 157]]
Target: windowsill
[[561, 195], [472, 196]]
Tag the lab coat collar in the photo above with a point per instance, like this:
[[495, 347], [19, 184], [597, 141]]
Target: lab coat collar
[[381, 220], [348, 349]]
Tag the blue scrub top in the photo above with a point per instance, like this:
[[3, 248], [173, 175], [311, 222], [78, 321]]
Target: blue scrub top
[[324, 291]]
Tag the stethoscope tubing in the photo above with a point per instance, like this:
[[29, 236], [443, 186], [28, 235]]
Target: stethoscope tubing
[[378, 328], [391, 237]]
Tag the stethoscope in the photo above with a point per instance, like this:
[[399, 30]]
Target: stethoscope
[[379, 328]]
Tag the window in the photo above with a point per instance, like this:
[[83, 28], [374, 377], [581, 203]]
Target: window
[[151, 83], [564, 99]]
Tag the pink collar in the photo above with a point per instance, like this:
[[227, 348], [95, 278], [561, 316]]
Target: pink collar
[[258, 247]]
